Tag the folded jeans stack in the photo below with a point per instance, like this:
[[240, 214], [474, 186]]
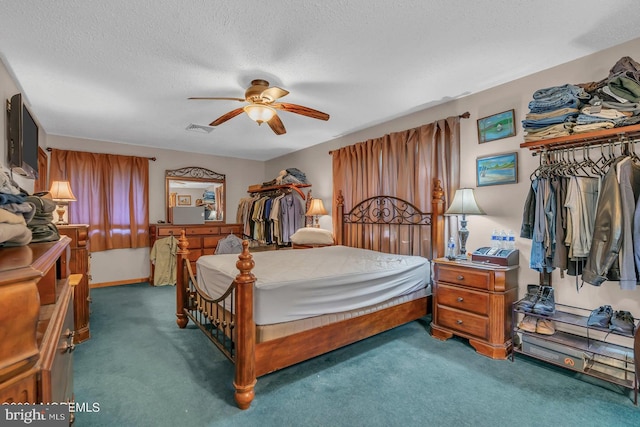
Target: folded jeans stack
[[553, 111]]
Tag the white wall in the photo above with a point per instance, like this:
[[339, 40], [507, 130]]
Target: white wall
[[503, 203]]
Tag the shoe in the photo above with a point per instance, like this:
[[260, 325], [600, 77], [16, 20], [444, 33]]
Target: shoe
[[528, 324], [600, 317], [622, 321], [527, 303], [546, 304], [545, 327]]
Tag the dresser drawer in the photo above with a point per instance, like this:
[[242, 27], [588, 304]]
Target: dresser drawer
[[193, 231], [464, 322], [473, 278], [463, 299], [194, 242], [169, 231], [194, 254], [211, 241], [230, 229]]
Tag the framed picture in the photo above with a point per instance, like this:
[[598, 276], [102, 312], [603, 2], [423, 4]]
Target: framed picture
[[497, 169], [184, 200], [498, 126]]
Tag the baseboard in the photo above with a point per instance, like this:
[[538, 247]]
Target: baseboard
[[119, 283]]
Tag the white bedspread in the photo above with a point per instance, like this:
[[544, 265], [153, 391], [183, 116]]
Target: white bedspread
[[301, 283]]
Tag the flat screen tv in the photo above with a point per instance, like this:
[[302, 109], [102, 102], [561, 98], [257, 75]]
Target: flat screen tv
[[22, 139]]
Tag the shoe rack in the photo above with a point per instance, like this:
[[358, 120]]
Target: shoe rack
[[594, 351]]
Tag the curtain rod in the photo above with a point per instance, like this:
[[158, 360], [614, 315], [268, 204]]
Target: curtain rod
[[153, 159], [464, 115]]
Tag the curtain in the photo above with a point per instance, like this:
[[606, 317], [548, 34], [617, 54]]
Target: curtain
[[112, 193], [402, 164]]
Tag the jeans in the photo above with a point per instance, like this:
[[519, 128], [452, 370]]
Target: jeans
[[538, 261], [541, 106], [556, 97], [585, 119], [542, 123], [554, 92]]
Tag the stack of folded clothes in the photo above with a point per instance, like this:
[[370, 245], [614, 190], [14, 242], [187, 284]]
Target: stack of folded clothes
[[15, 213], [553, 112], [615, 101], [570, 109]]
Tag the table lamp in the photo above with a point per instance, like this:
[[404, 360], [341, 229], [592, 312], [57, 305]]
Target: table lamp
[[61, 194], [316, 208], [464, 203]]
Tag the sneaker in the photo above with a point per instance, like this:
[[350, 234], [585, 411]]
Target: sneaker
[[546, 304], [622, 321], [528, 324], [527, 303], [600, 317], [545, 327]]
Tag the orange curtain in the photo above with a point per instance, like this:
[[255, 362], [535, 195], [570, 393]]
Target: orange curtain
[[402, 164], [112, 193]]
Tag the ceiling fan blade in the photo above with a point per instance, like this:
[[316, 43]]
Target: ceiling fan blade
[[276, 125], [230, 115], [218, 98], [299, 109], [274, 93]]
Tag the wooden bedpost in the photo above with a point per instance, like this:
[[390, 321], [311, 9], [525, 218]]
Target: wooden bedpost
[[245, 339], [182, 282], [437, 225], [339, 238]]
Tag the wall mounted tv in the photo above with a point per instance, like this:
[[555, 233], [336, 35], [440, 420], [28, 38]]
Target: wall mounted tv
[[22, 135]]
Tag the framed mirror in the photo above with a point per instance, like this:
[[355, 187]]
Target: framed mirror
[[194, 195]]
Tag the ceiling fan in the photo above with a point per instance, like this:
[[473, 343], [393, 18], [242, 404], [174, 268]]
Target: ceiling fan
[[262, 106]]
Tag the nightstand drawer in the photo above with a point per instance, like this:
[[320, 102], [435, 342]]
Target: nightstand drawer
[[463, 299], [474, 278], [461, 321]]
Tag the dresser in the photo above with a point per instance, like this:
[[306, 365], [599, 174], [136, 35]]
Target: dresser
[[36, 349], [473, 301], [79, 264], [203, 238]]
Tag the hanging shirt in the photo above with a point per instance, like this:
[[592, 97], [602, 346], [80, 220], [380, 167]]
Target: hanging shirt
[[164, 257]]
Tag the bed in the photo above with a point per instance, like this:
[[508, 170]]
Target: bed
[[238, 301]]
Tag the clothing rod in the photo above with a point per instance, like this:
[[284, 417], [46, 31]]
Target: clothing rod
[[153, 159], [587, 146]]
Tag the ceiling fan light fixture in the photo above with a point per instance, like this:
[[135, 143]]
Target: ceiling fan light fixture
[[259, 113]]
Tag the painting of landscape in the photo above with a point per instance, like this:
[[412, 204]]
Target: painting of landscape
[[497, 169]]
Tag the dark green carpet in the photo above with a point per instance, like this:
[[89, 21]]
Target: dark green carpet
[[143, 370]]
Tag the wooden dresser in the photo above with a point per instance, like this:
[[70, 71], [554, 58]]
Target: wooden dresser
[[36, 323], [79, 264], [203, 238], [474, 301]]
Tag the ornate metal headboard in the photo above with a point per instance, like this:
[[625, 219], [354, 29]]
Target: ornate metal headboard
[[390, 224]]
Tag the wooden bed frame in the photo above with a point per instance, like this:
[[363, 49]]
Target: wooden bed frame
[[235, 335]]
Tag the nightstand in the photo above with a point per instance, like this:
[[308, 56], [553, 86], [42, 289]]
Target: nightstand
[[473, 300]]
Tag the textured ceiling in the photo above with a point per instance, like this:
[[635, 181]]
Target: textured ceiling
[[122, 71]]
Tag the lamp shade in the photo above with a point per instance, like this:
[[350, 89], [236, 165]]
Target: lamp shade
[[61, 191], [464, 203], [259, 113], [316, 208]]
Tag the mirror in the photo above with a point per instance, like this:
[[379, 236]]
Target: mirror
[[194, 187]]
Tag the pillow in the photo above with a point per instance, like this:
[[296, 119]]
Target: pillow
[[312, 236]]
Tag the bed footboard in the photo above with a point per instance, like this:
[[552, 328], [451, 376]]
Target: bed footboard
[[227, 321]]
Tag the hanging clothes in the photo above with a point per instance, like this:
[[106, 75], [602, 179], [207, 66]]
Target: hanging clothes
[[163, 255]]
